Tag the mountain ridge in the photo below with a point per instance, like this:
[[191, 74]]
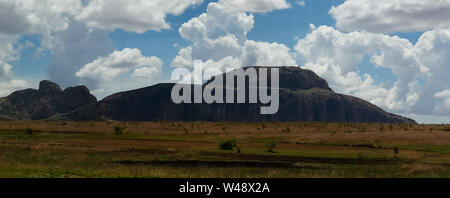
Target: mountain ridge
[[304, 97], [49, 99]]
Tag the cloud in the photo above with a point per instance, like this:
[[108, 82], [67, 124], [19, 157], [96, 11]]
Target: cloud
[[121, 70], [184, 58], [218, 21], [9, 11], [120, 62], [35, 16], [7, 83], [5, 71], [219, 37], [420, 69], [335, 56], [43, 18], [301, 3], [127, 65], [77, 46], [9, 51], [135, 15], [261, 6], [388, 16], [222, 64], [432, 48], [147, 72], [266, 54], [443, 105], [7, 87], [443, 94]]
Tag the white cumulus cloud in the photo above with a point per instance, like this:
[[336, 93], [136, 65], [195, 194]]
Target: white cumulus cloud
[[219, 37], [120, 62], [132, 15], [301, 3], [121, 70], [255, 5], [421, 69], [7, 82], [388, 16]]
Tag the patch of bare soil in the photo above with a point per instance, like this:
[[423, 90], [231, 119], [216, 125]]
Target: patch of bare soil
[[197, 163], [297, 159]]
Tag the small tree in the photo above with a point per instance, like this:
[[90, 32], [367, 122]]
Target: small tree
[[118, 130], [227, 145], [396, 152], [271, 146], [30, 131]]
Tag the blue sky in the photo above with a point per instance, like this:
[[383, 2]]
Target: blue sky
[[374, 53]]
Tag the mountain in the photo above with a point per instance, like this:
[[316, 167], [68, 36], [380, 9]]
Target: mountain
[[304, 96], [48, 100]]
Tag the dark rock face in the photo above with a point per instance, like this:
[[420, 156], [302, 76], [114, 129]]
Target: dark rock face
[[304, 96], [49, 89], [48, 100], [76, 97]]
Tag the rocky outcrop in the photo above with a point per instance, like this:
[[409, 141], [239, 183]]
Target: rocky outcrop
[[48, 100], [304, 96]]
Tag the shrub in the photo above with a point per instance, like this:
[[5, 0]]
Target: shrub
[[118, 130], [287, 130], [228, 144], [396, 152], [271, 146], [30, 131]]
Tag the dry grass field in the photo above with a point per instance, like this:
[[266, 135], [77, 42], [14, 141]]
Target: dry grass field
[[202, 149]]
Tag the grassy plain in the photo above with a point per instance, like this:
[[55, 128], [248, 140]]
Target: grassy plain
[[193, 149]]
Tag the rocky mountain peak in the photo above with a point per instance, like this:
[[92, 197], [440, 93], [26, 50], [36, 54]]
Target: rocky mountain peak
[[47, 87], [292, 78], [77, 97], [298, 78], [48, 100]]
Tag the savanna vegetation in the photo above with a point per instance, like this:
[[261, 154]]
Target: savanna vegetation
[[205, 149]]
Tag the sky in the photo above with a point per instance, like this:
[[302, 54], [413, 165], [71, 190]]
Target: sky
[[393, 53]]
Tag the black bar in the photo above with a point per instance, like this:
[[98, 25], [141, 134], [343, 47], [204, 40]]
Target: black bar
[[275, 187]]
